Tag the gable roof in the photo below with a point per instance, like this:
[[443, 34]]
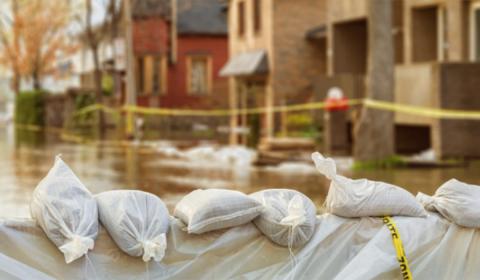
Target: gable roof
[[194, 17], [201, 17], [151, 8]]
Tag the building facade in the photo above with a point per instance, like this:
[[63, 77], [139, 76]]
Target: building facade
[[436, 46], [179, 48], [271, 59]]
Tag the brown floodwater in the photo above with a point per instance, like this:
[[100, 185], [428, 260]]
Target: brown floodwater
[[25, 159]]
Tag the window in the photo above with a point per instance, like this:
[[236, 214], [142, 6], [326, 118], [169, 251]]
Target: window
[[151, 75], [140, 75], [428, 34], [158, 81], [241, 18], [147, 72], [257, 15], [199, 75], [477, 35]]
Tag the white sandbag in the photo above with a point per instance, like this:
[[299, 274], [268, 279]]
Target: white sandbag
[[363, 198], [137, 221], [288, 218], [212, 209], [457, 201], [66, 211]]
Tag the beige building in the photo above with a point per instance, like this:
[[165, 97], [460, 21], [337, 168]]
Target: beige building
[[437, 49], [282, 49], [271, 58]]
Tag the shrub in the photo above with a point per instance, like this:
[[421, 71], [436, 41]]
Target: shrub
[[30, 108]]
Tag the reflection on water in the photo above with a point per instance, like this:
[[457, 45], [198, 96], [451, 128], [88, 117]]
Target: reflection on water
[[25, 161]]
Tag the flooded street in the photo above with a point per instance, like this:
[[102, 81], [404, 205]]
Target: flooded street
[[107, 166]]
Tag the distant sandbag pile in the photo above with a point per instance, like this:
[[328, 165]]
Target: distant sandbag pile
[[237, 156], [456, 201], [66, 211], [363, 198]]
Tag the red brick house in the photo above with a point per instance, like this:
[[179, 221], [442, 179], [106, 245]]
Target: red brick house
[[180, 47]]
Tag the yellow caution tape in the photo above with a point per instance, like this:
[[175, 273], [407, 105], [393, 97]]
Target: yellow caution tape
[[374, 104], [130, 129], [29, 127], [215, 112], [369, 103], [422, 111], [96, 107], [397, 243]]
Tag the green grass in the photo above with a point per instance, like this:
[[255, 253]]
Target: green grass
[[387, 163]]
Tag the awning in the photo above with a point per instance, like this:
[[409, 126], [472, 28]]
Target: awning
[[247, 63], [316, 33]]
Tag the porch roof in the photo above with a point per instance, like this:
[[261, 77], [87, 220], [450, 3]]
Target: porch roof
[[316, 33], [245, 64]]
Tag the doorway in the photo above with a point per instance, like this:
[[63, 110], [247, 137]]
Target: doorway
[[428, 34], [475, 33]]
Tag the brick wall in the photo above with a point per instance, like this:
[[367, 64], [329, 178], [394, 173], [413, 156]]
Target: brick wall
[[298, 61], [458, 90], [216, 47], [150, 35]]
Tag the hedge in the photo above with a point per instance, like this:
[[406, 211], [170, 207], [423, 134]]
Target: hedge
[[30, 108]]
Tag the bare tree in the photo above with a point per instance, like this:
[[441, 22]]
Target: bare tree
[[94, 36], [93, 40], [10, 28], [32, 33]]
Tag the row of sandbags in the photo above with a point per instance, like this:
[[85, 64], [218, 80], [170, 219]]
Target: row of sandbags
[[456, 201], [138, 221]]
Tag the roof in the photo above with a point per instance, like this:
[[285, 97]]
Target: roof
[[201, 17], [151, 8], [205, 17], [247, 63]]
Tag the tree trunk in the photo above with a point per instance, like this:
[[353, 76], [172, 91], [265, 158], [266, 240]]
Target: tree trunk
[[16, 41], [94, 46], [36, 81], [131, 95], [16, 82], [374, 131], [98, 89]]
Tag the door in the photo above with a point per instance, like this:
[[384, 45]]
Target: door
[[475, 33]]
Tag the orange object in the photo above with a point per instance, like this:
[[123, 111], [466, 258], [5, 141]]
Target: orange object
[[336, 104]]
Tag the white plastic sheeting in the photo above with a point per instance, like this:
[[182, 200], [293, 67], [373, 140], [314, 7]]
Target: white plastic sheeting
[[340, 249]]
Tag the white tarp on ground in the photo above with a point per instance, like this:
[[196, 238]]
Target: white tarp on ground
[[340, 249]]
